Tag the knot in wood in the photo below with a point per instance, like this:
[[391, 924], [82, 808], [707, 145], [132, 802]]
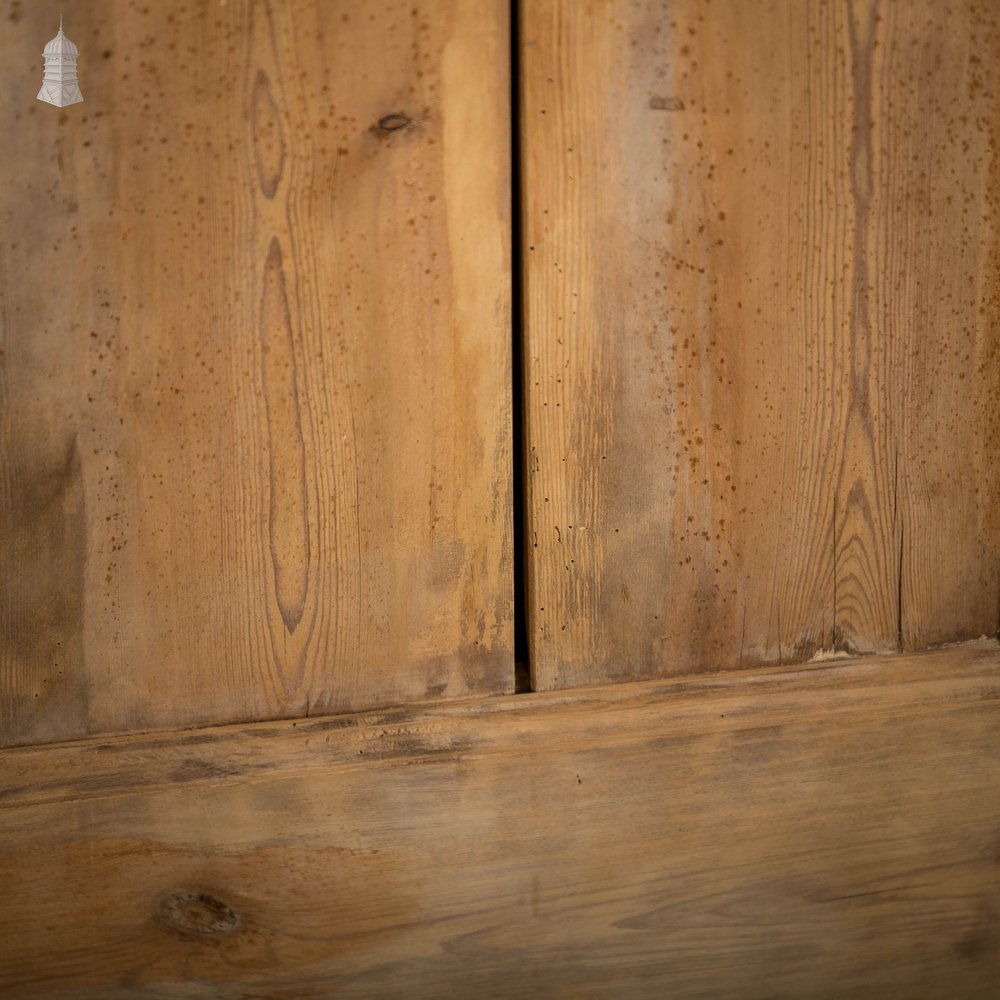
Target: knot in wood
[[394, 122], [198, 913]]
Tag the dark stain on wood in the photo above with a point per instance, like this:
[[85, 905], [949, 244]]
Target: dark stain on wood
[[666, 104], [43, 551], [981, 941], [196, 770]]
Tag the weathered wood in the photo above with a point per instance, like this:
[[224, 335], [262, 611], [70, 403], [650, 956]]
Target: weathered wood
[[254, 363], [762, 352], [825, 831]]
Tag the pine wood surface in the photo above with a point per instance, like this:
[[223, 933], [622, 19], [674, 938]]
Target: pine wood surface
[[824, 831], [762, 299], [254, 363]]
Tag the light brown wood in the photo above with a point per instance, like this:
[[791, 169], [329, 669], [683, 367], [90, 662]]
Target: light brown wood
[[826, 831], [254, 363], [762, 352]]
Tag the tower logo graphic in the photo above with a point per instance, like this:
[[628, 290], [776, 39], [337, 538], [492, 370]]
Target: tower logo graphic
[[60, 86]]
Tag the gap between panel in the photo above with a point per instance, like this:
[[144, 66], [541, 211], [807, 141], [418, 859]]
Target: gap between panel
[[522, 670]]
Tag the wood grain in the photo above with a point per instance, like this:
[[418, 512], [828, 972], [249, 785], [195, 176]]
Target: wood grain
[[825, 831], [254, 364], [762, 353]]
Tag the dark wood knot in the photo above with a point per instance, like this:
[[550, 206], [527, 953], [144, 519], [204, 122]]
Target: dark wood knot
[[198, 913], [394, 122]]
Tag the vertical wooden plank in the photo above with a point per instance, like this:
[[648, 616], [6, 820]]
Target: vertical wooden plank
[[762, 342], [935, 252], [255, 369]]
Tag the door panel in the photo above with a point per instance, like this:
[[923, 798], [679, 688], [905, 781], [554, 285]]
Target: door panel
[[762, 833], [254, 364], [761, 355]]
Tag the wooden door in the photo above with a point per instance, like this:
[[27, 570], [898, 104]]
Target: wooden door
[[762, 349], [254, 413], [254, 363]]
